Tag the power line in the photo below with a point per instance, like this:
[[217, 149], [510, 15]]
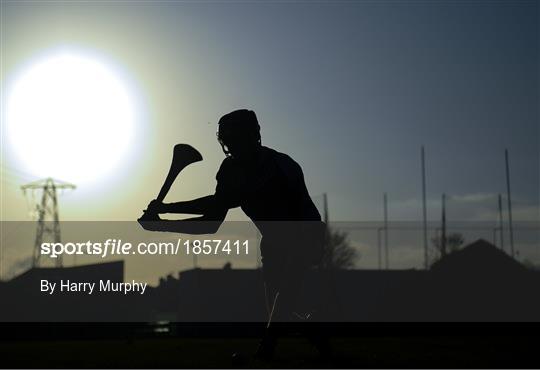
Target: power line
[[10, 169]]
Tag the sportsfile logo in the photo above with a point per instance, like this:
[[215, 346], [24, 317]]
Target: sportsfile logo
[[119, 247]]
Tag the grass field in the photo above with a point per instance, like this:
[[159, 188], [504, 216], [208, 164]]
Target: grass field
[[293, 352]]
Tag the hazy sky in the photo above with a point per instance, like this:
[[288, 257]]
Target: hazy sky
[[351, 90]]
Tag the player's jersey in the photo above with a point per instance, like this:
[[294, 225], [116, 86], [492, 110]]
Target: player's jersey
[[273, 194], [273, 190]]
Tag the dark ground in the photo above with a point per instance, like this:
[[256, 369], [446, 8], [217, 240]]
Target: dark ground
[[355, 346]]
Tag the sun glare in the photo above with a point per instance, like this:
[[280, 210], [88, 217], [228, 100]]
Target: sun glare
[[70, 117]]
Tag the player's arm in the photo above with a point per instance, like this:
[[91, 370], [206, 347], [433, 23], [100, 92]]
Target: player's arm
[[200, 206], [213, 208], [208, 223]]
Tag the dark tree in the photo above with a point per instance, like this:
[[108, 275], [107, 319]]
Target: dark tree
[[338, 251], [454, 241]]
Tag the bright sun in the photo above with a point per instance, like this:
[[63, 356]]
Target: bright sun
[[70, 117]]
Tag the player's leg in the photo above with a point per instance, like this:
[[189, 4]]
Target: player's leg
[[268, 342], [282, 282]]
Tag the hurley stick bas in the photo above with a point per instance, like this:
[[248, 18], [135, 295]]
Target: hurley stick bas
[[183, 155]]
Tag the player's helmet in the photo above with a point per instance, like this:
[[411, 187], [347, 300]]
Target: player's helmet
[[238, 126]]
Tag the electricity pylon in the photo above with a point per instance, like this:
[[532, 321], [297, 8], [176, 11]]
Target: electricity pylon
[[47, 214]]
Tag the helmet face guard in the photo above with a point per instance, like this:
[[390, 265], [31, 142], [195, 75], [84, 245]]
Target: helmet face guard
[[223, 145]]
